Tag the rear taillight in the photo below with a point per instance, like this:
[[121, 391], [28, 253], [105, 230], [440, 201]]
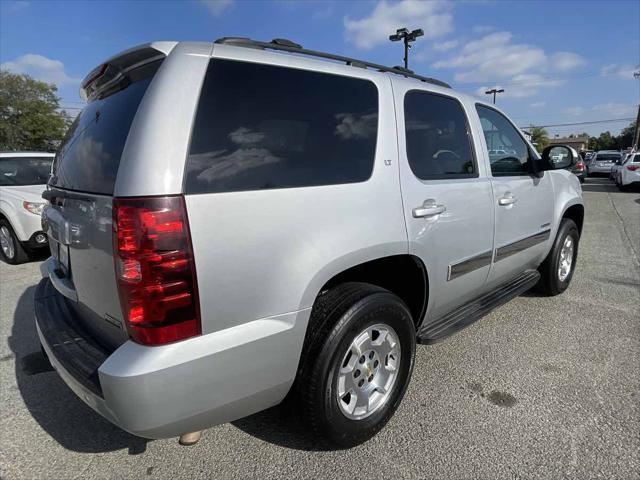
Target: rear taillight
[[580, 165], [633, 168], [155, 269]]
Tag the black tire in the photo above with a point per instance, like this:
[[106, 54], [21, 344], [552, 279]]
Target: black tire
[[338, 316], [19, 253], [550, 283], [581, 179]]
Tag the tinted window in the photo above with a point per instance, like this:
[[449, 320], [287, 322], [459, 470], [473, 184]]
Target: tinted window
[[608, 157], [508, 152], [438, 140], [90, 154], [261, 126], [24, 171]]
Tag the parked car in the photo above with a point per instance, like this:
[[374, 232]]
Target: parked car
[[617, 164], [603, 160], [260, 224], [23, 176], [629, 173], [579, 169]]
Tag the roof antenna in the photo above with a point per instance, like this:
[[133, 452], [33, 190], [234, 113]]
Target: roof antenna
[[408, 37]]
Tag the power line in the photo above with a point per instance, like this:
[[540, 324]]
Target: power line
[[593, 122]]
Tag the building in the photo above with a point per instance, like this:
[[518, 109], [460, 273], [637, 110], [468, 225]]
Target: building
[[578, 143]]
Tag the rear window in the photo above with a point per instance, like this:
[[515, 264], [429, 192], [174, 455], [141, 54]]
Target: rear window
[[608, 157], [437, 135], [263, 127], [24, 171], [90, 154]]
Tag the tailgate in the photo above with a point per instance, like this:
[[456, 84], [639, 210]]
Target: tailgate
[[78, 219], [82, 267]]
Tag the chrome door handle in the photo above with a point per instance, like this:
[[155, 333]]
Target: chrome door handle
[[508, 199], [429, 209]]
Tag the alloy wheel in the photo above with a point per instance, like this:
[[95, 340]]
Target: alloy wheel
[[368, 371], [6, 243]]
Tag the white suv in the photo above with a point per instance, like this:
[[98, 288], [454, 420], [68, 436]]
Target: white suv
[[235, 221], [23, 177]]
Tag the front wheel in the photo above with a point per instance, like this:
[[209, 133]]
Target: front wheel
[[356, 364], [11, 250], [557, 269]]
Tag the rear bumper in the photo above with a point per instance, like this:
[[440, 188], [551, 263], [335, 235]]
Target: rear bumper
[[597, 169], [160, 392]]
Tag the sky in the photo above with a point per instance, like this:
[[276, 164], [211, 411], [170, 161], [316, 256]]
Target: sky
[[558, 61]]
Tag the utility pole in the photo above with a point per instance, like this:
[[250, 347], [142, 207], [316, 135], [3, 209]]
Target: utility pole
[[408, 37], [494, 91], [636, 133]]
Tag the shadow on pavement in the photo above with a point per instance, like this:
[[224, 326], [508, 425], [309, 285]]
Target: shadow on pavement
[[604, 184], [51, 403], [281, 426]]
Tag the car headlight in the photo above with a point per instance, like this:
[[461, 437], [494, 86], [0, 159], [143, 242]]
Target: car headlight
[[34, 207]]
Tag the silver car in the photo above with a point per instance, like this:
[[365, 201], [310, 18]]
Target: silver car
[[603, 160], [230, 224]]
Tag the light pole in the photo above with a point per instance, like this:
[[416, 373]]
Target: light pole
[[494, 91], [408, 37]]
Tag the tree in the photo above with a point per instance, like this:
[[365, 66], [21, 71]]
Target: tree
[[30, 115], [625, 139], [539, 137]]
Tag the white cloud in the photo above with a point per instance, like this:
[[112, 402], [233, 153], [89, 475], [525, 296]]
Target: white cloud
[[538, 104], [434, 18], [521, 69], [40, 68], [217, 7], [624, 71], [445, 46], [564, 61], [575, 111], [483, 29], [493, 56], [610, 109], [524, 85]]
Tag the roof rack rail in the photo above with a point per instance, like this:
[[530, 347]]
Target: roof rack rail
[[288, 46]]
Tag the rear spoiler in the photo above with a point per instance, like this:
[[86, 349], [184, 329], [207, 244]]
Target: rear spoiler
[[115, 69]]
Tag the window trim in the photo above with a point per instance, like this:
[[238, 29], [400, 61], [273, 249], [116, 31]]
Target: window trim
[[531, 158], [213, 59], [470, 139]]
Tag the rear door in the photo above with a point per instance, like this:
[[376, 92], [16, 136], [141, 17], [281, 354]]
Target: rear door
[[79, 217], [448, 204], [523, 203]]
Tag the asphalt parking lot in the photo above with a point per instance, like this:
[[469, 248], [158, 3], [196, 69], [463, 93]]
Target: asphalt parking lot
[[541, 388]]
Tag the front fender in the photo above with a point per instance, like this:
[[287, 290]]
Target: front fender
[[568, 193]]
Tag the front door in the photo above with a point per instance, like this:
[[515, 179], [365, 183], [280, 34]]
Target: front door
[[447, 197], [523, 202]]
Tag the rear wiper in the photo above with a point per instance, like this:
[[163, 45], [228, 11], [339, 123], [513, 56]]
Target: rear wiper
[[50, 194]]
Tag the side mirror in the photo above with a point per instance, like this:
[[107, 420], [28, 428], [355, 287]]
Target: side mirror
[[556, 157]]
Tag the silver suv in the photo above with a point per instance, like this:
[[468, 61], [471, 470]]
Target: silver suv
[[235, 222]]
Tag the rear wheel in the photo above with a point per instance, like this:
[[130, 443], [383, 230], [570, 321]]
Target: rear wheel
[[557, 269], [356, 363], [11, 249]]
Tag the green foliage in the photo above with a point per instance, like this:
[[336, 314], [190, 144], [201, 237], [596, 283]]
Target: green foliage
[[606, 141], [539, 137], [30, 115]]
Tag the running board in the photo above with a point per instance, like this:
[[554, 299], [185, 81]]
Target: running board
[[476, 309]]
